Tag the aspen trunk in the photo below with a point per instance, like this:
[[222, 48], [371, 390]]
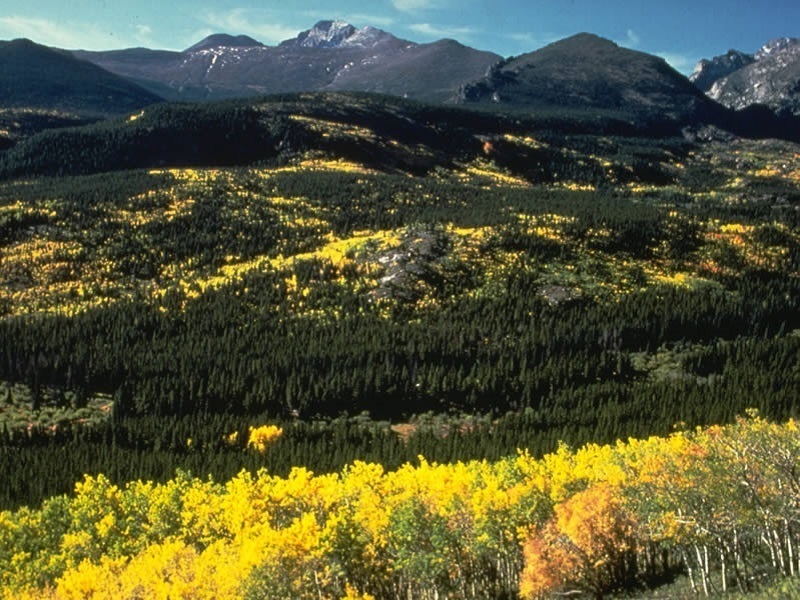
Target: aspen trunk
[[789, 547], [689, 570], [703, 568], [779, 551], [773, 557]]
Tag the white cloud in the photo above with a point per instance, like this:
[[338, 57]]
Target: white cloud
[[144, 35], [242, 21], [357, 19], [442, 30], [680, 62], [374, 20], [415, 5], [631, 39], [530, 41], [63, 35]]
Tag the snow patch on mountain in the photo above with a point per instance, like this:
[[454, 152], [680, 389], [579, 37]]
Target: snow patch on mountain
[[777, 46], [338, 34]]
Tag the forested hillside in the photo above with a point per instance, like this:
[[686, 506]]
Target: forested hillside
[[381, 280], [383, 132]]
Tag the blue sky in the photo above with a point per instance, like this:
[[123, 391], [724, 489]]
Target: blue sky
[[681, 31]]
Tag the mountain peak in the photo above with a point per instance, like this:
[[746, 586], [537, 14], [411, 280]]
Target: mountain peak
[[36, 76], [707, 71], [223, 40], [338, 34], [586, 42], [771, 78], [775, 46], [21, 43], [586, 71]]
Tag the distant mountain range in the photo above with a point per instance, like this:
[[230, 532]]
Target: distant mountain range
[[770, 77], [331, 56], [583, 73]]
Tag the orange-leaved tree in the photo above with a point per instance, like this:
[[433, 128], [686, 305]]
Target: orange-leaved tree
[[588, 545]]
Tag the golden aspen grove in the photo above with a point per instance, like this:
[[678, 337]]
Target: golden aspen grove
[[721, 502]]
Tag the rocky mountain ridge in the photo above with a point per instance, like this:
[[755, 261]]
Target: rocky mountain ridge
[[338, 34], [584, 76], [708, 71], [770, 77]]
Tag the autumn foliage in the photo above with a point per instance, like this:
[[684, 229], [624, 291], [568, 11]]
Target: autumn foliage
[[261, 438], [589, 545], [719, 504]]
